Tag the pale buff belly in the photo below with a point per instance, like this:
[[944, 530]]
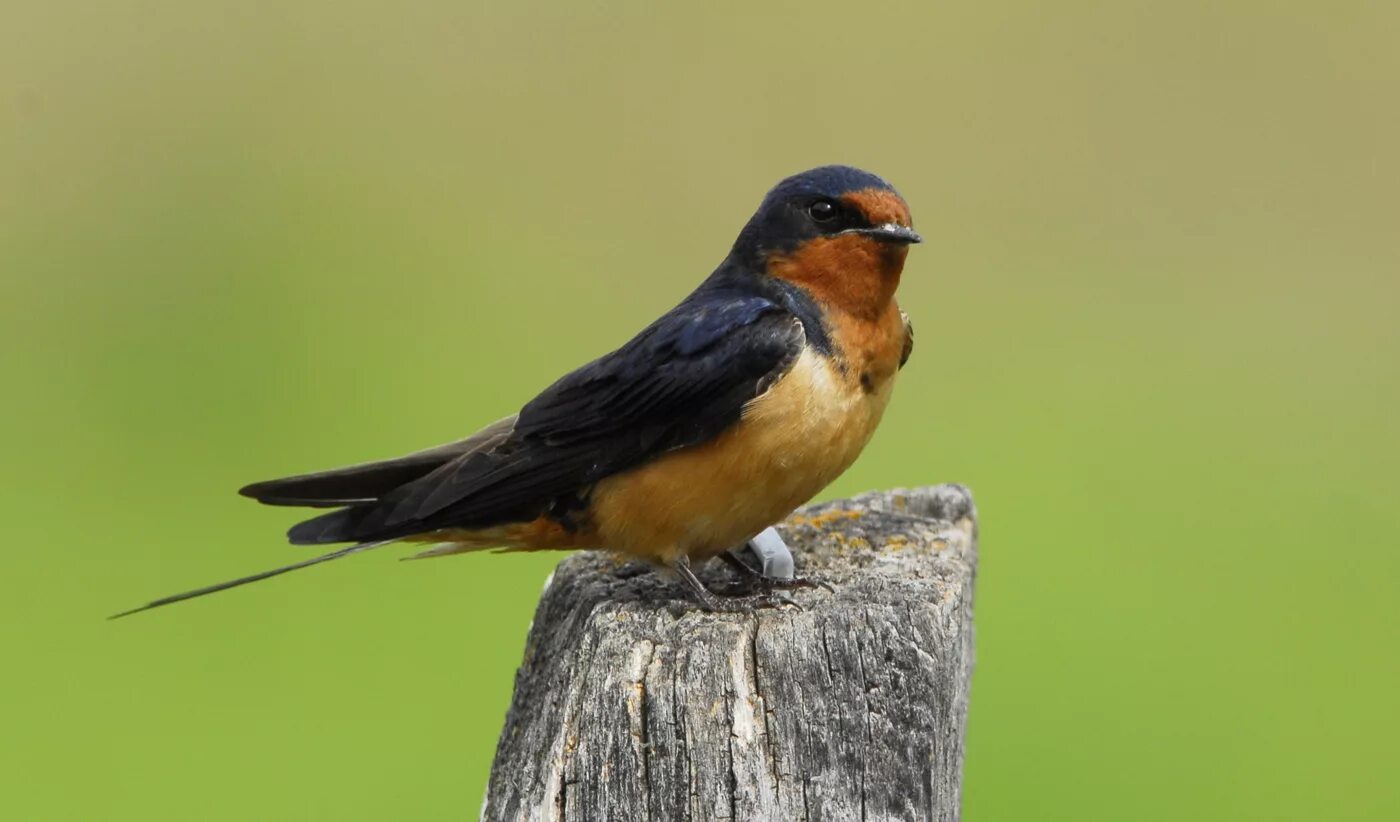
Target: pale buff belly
[[791, 442]]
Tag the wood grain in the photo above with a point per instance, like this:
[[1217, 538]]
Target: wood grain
[[632, 704]]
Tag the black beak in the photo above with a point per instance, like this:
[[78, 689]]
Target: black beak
[[891, 233]]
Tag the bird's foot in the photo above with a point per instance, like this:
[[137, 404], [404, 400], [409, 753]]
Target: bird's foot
[[775, 571], [756, 584], [730, 602]]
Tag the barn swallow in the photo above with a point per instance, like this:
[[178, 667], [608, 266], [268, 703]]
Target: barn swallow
[[712, 424]]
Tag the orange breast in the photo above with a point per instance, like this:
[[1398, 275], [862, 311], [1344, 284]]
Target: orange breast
[[790, 443]]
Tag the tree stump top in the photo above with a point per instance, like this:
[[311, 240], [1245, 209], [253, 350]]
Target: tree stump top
[[632, 703]]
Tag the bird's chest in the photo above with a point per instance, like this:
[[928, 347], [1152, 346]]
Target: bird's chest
[[790, 442], [814, 422]]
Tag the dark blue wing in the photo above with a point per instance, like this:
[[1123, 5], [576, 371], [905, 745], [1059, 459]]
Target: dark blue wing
[[680, 382]]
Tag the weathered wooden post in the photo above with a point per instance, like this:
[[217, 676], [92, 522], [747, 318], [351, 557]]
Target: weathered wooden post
[[631, 704]]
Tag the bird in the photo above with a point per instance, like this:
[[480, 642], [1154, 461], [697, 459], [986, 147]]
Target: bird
[[689, 441]]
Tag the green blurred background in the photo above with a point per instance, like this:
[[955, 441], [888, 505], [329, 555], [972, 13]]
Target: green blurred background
[[1157, 336]]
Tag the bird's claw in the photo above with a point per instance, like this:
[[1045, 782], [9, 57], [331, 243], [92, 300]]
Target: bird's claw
[[801, 582], [756, 587], [776, 571], [757, 584]]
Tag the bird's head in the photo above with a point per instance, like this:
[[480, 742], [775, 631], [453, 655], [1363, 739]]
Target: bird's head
[[840, 233]]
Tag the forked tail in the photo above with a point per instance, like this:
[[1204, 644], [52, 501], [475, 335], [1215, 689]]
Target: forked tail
[[234, 583]]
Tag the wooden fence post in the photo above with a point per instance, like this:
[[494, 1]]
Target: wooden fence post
[[633, 704]]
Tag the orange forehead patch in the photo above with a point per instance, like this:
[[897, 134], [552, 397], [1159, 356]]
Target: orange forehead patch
[[880, 205]]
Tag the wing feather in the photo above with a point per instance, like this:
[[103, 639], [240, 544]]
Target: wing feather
[[367, 482], [680, 382]]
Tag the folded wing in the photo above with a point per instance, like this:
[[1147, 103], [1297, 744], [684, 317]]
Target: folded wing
[[680, 382]]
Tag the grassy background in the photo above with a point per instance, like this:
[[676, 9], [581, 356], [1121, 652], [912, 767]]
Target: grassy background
[[1157, 336]]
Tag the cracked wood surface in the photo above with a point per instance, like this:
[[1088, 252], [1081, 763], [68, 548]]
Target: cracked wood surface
[[633, 704]]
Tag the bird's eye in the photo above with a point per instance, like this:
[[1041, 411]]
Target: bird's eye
[[823, 211]]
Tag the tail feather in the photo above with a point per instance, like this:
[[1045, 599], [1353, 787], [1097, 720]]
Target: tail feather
[[354, 490], [234, 583], [337, 526]]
